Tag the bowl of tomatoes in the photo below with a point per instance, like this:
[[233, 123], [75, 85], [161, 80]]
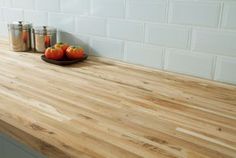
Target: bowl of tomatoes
[[64, 54]]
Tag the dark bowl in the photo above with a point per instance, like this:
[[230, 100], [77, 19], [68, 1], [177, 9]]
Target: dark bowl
[[64, 61]]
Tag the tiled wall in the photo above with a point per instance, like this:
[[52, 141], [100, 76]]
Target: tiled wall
[[195, 37]]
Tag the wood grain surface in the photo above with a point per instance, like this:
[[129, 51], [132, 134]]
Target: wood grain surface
[[108, 109]]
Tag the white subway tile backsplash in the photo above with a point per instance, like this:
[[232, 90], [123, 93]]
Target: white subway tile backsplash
[[126, 30], [194, 13], [38, 18], [1, 15], [24, 4], [151, 10], [226, 70], [74, 39], [8, 3], [48, 5], [189, 63], [84, 42], [107, 48], [66, 37], [215, 42], [78, 7], [90, 25], [2, 3], [10, 15], [3, 29], [229, 16], [67, 24], [5, 3], [143, 54], [108, 8], [166, 35], [153, 33]]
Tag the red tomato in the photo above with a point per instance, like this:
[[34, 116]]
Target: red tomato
[[54, 53], [73, 52], [63, 46]]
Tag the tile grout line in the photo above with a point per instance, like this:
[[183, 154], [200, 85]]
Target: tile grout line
[[190, 36], [125, 9], [220, 15], [214, 66], [168, 12], [164, 58]]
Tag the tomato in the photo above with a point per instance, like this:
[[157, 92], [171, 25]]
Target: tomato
[[63, 46], [54, 53], [73, 52]]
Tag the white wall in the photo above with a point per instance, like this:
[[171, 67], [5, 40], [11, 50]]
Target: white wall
[[195, 37]]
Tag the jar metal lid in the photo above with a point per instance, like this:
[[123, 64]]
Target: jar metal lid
[[20, 25], [44, 30]]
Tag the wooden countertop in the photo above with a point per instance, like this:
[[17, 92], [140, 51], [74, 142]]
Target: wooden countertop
[[108, 109]]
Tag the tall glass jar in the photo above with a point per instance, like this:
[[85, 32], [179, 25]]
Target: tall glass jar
[[43, 37], [20, 36]]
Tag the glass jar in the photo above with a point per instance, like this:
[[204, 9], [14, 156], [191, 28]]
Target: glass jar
[[43, 37], [20, 36]]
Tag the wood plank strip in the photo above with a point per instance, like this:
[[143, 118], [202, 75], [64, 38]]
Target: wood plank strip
[[204, 137]]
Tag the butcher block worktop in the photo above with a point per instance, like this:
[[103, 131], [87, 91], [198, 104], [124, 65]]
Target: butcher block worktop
[[107, 109]]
